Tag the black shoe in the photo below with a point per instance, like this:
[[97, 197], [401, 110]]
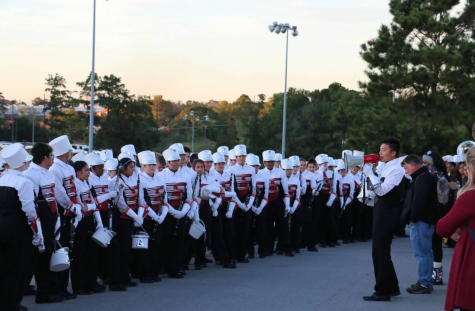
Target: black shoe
[[346, 242], [251, 256], [243, 260], [30, 291], [117, 288], [68, 296], [22, 308], [156, 279], [376, 297], [418, 288], [268, 254], [198, 267], [106, 282], [83, 292], [98, 288], [353, 241], [182, 272], [262, 256], [205, 265], [218, 263], [364, 240], [312, 249], [176, 276], [146, 280], [297, 250], [321, 245], [396, 294], [402, 235], [331, 245], [130, 283], [280, 252], [229, 265], [441, 282], [49, 298], [185, 267], [208, 260], [337, 244], [289, 254]]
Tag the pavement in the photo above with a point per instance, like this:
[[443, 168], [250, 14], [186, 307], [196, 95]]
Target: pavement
[[331, 279]]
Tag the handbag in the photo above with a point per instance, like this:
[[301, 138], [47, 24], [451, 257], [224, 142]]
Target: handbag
[[470, 231]]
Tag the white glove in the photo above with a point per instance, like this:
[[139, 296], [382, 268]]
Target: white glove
[[97, 217], [287, 205], [315, 192], [254, 209], [342, 202], [75, 222], [90, 207], [261, 207], [215, 205], [161, 218], [196, 219], [331, 200], [38, 241], [207, 191], [230, 194], [77, 211], [112, 194], [138, 220], [251, 203], [58, 236], [165, 208], [229, 213], [191, 214], [367, 170], [172, 211], [348, 201], [179, 214], [152, 214], [294, 207]]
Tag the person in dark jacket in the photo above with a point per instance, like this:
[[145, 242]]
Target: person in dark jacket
[[420, 212]]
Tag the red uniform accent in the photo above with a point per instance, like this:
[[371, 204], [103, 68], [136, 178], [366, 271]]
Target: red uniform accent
[[174, 192], [346, 190], [131, 199], [153, 197], [100, 190], [226, 185], [86, 198], [243, 182], [309, 188], [70, 186], [47, 191], [326, 184], [274, 187], [292, 191]]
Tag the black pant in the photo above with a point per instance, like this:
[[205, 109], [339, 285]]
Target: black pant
[[220, 252], [294, 223], [203, 242], [46, 280], [275, 214], [176, 231], [65, 241], [241, 227], [15, 241], [322, 220], [109, 258], [228, 232], [83, 271], [125, 229], [347, 223], [329, 214], [356, 222], [384, 226], [437, 247], [366, 222], [309, 216]]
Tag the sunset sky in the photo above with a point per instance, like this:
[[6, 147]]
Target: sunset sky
[[186, 49]]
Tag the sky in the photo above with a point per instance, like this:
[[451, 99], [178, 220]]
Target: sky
[[186, 49]]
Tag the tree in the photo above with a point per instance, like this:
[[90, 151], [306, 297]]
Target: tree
[[60, 98], [427, 56]]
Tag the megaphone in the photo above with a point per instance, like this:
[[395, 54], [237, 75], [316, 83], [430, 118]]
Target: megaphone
[[352, 161]]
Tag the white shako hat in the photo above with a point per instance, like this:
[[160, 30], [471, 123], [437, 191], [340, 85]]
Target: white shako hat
[[224, 150], [147, 157], [60, 145], [80, 156], [171, 155], [295, 160], [278, 157], [250, 158], [321, 158], [348, 152], [286, 164], [218, 157], [107, 154], [268, 156], [111, 165], [130, 148], [232, 154], [256, 160], [340, 166], [357, 153], [178, 147], [331, 162], [126, 154], [205, 155], [240, 150], [93, 159], [15, 155], [448, 158]]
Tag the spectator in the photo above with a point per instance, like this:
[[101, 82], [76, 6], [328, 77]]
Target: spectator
[[454, 175], [463, 175], [460, 223], [419, 209]]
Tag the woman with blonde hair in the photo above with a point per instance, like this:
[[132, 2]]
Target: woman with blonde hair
[[461, 220]]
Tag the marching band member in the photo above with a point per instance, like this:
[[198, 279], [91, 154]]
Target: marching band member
[[70, 207], [334, 211], [108, 268], [346, 199], [224, 150], [278, 160], [294, 194], [358, 211], [45, 187], [179, 196], [327, 197], [129, 213], [259, 217], [279, 204], [232, 158], [83, 267], [221, 223], [245, 187], [312, 181], [17, 220], [156, 211], [131, 149]]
